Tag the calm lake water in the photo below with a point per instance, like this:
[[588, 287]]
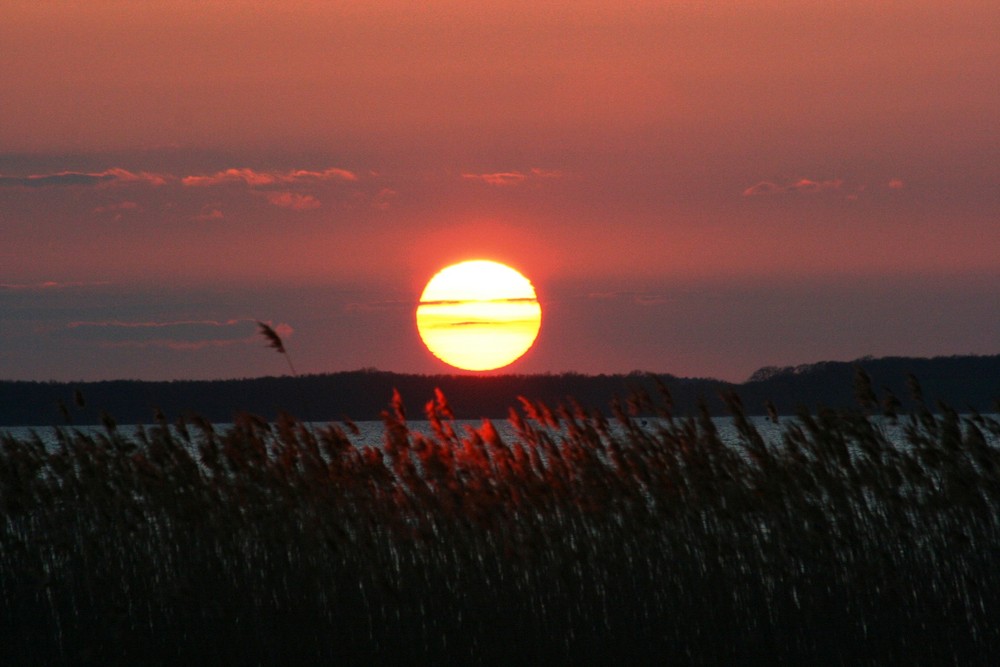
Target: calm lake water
[[373, 432]]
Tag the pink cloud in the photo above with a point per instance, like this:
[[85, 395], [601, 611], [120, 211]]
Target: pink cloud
[[802, 185], [210, 212], [123, 176], [330, 174], [508, 178], [896, 184], [293, 200], [500, 178], [806, 185], [248, 176], [117, 176], [762, 188], [254, 178], [109, 177]]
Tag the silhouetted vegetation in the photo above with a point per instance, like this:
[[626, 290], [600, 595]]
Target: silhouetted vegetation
[[582, 540]]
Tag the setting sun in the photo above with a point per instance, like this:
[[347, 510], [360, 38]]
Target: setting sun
[[478, 315]]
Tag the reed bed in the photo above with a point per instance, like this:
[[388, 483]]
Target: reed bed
[[583, 540]]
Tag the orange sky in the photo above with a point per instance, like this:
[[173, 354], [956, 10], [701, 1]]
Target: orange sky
[[821, 178]]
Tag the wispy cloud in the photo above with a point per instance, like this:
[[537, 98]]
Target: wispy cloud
[[293, 201], [210, 212], [180, 335], [511, 178], [292, 189], [763, 188], [158, 324], [499, 178], [247, 176], [328, 174], [254, 178], [118, 176], [119, 210], [803, 185], [808, 186], [108, 177]]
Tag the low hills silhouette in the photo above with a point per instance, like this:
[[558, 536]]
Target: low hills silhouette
[[966, 383]]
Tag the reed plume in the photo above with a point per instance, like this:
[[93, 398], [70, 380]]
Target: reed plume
[[274, 342]]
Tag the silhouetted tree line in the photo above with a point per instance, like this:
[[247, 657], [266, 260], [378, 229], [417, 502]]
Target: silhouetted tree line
[[970, 383]]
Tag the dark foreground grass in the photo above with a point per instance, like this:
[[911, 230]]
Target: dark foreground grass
[[580, 542]]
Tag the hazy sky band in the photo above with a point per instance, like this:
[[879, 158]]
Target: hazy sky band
[[695, 188]]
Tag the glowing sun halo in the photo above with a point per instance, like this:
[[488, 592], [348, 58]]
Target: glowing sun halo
[[478, 315]]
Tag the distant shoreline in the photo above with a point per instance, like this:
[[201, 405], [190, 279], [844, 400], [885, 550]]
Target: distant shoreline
[[966, 383]]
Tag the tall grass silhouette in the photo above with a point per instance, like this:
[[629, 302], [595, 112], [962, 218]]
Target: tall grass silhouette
[[582, 539], [274, 342]]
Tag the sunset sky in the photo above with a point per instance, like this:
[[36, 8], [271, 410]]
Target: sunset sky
[[695, 188]]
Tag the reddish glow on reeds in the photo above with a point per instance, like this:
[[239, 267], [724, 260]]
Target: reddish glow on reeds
[[478, 315], [396, 551]]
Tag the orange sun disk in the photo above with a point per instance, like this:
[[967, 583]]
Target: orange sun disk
[[478, 315]]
